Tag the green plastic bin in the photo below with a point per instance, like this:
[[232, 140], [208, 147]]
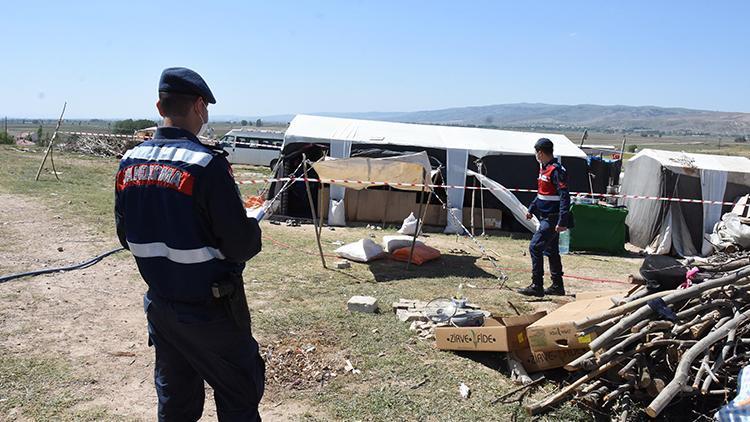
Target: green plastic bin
[[598, 229]]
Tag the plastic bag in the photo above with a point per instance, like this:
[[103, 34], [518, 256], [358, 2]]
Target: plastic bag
[[409, 225], [422, 254], [391, 243], [364, 250]]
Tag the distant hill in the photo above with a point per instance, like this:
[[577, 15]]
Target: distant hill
[[666, 120]]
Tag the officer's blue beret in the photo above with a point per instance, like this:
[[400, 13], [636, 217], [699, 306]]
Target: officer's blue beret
[[185, 81], [544, 144]]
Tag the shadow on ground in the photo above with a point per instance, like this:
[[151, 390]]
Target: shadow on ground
[[446, 266]]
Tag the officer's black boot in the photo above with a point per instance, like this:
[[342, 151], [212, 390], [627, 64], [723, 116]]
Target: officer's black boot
[[556, 289], [534, 289]]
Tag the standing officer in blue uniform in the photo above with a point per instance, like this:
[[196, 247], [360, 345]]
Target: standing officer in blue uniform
[[178, 210], [552, 207]]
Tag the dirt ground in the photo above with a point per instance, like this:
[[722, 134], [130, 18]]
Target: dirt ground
[[91, 318], [91, 324]]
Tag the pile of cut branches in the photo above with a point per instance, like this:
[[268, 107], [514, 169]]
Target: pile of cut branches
[[655, 348]]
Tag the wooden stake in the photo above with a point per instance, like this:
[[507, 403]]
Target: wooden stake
[[49, 148], [312, 211], [419, 220]]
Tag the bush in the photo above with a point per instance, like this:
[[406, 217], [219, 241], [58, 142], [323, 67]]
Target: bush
[[6, 139], [631, 148]]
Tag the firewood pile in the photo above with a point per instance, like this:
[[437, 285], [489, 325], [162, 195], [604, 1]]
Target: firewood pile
[[661, 349], [98, 144]]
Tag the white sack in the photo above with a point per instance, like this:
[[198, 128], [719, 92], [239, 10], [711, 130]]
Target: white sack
[[409, 225], [364, 250], [337, 216], [391, 243]]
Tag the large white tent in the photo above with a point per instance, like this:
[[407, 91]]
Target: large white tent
[[664, 227], [457, 142]]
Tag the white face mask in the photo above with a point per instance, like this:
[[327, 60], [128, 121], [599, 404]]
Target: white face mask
[[204, 127]]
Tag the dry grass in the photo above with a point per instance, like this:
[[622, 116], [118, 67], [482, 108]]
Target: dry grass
[[295, 301]]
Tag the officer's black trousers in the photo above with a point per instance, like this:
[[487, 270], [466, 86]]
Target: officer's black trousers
[[545, 243], [194, 343]]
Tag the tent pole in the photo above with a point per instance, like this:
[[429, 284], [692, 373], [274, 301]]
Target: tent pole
[[473, 195], [481, 197], [419, 220], [312, 211]]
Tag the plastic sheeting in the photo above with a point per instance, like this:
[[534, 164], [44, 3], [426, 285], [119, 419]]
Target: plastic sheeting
[[509, 200], [730, 230], [713, 186], [458, 159], [339, 149], [673, 234]]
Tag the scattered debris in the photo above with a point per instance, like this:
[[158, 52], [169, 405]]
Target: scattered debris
[[350, 368], [405, 315], [298, 364], [419, 384], [292, 223], [364, 304], [343, 265], [464, 391]]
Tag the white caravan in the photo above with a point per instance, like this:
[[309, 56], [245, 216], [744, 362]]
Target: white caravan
[[254, 147]]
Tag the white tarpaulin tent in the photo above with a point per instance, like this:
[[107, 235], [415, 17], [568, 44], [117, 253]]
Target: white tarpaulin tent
[[663, 227], [458, 142]]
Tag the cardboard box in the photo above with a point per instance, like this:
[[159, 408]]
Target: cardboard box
[[372, 205], [557, 330], [496, 335], [602, 293], [540, 361]]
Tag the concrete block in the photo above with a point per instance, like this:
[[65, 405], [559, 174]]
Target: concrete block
[[404, 315], [365, 304]]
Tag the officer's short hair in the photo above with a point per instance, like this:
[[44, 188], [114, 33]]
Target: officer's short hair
[[545, 145], [175, 104]]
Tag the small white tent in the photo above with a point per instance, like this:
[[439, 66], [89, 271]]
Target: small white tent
[[664, 227], [457, 142]]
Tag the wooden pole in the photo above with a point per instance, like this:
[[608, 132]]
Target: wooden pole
[[419, 220], [312, 211], [49, 148]]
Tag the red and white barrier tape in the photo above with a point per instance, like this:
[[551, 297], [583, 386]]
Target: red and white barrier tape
[[419, 185], [110, 135]]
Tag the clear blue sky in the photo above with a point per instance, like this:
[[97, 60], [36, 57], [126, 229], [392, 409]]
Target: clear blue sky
[[278, 57]]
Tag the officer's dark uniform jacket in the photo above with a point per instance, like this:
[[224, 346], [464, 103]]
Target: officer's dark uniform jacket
[[179, 212], [553, 197]]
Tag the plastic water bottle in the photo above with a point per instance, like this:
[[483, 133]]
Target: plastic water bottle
[[564, 242]]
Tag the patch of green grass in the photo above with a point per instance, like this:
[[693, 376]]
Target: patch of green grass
[[84, 193], [40, 389]]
